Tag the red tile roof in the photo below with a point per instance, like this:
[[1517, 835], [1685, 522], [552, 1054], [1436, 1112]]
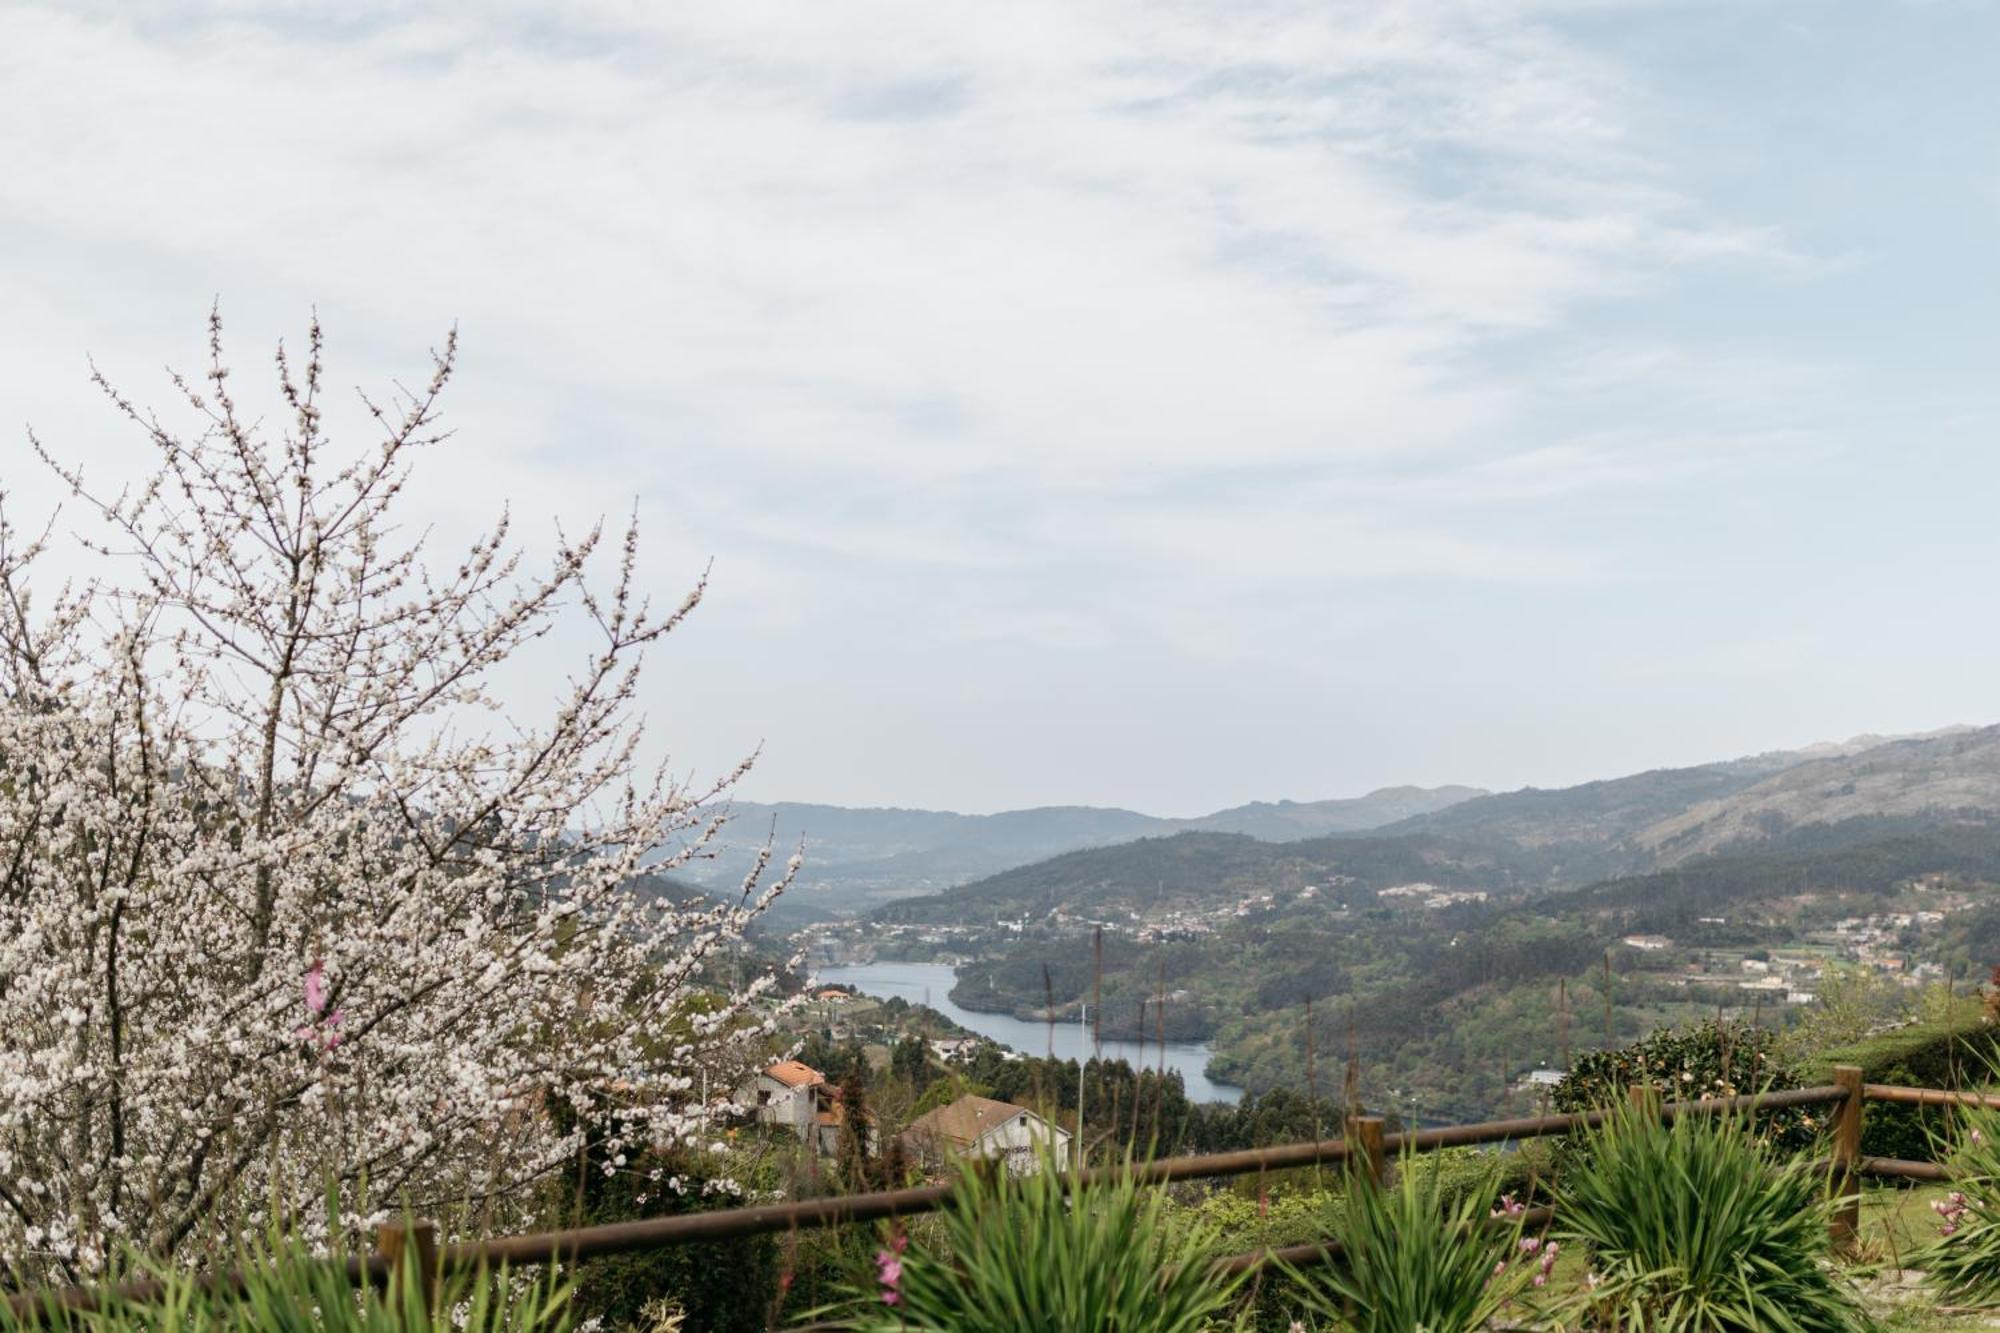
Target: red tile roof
[[794, 1075]]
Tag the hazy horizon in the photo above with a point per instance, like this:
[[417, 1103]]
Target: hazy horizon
[[1163, 408]]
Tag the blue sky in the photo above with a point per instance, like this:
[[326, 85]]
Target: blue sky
[[1163, 405]]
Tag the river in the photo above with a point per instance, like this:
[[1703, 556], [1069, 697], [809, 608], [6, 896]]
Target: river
[[931, 983]]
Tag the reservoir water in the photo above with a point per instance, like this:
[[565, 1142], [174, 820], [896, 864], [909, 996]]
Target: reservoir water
[[930, 983]]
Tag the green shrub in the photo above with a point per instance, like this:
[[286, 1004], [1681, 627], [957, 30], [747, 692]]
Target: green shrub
[[1921, 1055], [1710, 1059], [1963, 1265], [725, 1286], [1697, 1225], [287, 1290], [1292, 1211], [1022, 1252], [1411, 1260], [1483, 1174]]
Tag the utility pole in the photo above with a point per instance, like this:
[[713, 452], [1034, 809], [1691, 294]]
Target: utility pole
[[1082, 1038]]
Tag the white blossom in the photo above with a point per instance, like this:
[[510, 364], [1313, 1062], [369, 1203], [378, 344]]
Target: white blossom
[[259, 754]]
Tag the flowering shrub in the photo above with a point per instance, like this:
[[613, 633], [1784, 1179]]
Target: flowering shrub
[[288, 898], [1710, 1059], [1963, 1264]]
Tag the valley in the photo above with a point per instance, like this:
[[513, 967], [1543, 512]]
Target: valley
[[1448, 956]]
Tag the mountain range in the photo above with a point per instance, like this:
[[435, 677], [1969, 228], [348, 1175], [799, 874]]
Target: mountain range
[[861, 858], [1450, 947], [1822, 798], [857, 857]]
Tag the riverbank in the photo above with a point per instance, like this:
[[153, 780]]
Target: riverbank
[[931, 984]]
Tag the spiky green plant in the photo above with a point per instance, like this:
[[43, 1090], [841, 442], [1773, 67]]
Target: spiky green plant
[[286, 1289], [1963, 1264], [1025, 1252], [1412, 1257], [1694, 1226]]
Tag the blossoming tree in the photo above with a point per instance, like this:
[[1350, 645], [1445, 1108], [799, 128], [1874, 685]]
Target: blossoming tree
[[289, 899]]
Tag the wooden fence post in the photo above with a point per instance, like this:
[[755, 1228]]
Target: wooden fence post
[[1846, 1224], [1364, 1138], [397, 1244], [1644, 1099]]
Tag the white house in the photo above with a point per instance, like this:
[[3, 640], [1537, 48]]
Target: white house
[[787, 1093], [982, 1127]]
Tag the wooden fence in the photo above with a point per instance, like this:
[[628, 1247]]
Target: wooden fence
[[1365, 1146]]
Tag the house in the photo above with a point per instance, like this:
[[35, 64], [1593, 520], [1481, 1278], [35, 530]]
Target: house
[[951, 1049], [981, 1127], [1648, 943], [787, 1093], [798, 1097]]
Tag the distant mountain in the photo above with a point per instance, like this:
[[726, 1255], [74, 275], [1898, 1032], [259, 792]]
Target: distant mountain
[[1287, 821], [1812, 803], [1629, 824], [857, 857], [1947, 776]]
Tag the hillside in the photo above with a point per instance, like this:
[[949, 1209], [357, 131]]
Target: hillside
[[1443, 996], [856, 857], [1286, 821], [1200, 872], [1607, 813], [1948, 776]]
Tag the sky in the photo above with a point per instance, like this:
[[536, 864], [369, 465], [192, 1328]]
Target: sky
[[1159, 405]]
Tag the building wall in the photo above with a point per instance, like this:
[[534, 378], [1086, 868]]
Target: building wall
[[1022, 1140], [781, 1104]]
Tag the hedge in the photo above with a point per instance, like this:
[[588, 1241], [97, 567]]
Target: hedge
[[1922, 1055]]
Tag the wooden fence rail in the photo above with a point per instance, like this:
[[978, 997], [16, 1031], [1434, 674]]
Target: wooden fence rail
[[1363, 1146]]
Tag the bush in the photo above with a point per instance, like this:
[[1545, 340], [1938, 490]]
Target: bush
[[1022, 1252], [287, 1290], [727, 1286], [1696, 1226], [1963, 1265], [1922, 1055], [1410, 1260], [1483, 1173], [1709, 1060], [1289, 1212]]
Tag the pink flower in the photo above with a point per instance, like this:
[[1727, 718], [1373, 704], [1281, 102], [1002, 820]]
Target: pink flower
[[319, 1023], [889, 1269]]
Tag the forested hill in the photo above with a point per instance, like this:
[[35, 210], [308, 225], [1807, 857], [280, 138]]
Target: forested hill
[[857, 856], [1444, 1000], [861, 858], [1870, 856], [1776, 814], [1202, 871]]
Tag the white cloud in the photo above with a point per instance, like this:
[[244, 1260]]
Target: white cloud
[[869, 298]]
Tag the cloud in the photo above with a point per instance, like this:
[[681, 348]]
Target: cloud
[[1018, 318]]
